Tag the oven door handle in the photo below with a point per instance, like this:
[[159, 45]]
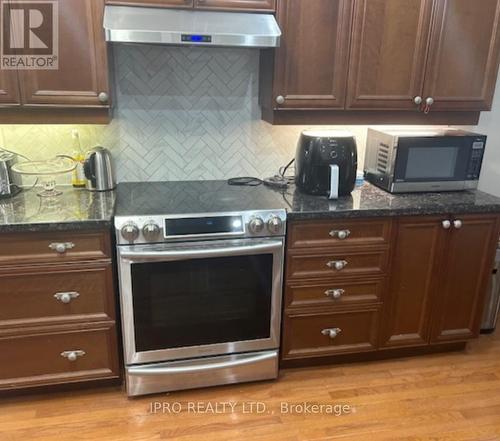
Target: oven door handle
[[216, 251], [240, 361]]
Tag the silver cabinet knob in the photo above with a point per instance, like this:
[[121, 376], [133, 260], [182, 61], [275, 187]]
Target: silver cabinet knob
[[73, 355], [256, 225], [332, 332], [280, 99], [458, 224], [418, 100], [103, 97], [66, 297], [446, 224], [429, 101], [61, 247], [150, 231], [337, 264], [335, 293], [274, 224], [340, 234], [130, 232]]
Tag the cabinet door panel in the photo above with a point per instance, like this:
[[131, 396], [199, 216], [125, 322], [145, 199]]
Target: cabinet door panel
[[388, 53], [311, 64], [249, 5], [9, 87], [418, 251], [464, 54], [157, 3], [83, 71], [468, 265]]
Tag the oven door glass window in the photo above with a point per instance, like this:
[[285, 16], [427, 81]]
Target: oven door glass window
[[201, 301]]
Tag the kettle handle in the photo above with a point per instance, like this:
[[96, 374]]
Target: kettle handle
[[89, 167]]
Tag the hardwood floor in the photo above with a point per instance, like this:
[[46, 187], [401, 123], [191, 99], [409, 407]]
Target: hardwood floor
[[454, 396]]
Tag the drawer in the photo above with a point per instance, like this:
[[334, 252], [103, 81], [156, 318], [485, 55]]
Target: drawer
[[348, 232], [337, 263], [54, 247], [61, 293], [323, 334], [330, 294], [35, 360]]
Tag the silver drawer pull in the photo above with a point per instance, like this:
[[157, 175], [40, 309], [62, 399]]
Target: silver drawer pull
[[335, 293], [332, 332], [66, 297], [340, 234], [337, 264], [61, 247], [72, 355]]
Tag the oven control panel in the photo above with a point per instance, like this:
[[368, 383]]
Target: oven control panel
[[175, 228]]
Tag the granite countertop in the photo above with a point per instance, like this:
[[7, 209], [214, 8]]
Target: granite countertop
[[74, 209]]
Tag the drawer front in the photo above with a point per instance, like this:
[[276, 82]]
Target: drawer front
[[349, 232], [335, 264], [36, 359], [316, 335], [56, 294], [54, 247], [334, 293]]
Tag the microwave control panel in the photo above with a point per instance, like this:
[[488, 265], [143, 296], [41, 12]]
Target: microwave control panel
[[476, 160]]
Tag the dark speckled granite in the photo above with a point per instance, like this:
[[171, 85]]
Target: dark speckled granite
[[368, 200], [218, 196], [73, 210]]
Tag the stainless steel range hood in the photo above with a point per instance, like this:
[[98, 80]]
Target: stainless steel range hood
[[124, 24]]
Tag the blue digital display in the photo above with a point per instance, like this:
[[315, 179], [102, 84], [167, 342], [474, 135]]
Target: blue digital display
[[196, 38]]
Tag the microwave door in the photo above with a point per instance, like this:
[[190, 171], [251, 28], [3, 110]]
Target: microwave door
[[431, 164]]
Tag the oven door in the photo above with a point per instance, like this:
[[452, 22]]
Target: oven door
[[432, 163], [199, 299]]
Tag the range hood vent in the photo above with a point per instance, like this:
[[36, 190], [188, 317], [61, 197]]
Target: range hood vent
[[128, 24]]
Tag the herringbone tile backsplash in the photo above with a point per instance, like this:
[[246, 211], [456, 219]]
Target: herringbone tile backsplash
[[180, 114]]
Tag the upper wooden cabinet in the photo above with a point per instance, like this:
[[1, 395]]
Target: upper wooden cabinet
[[252, 5], [82, 76], [388, 53], [464, 54], [311, 69], [9, 88], [223, 5]]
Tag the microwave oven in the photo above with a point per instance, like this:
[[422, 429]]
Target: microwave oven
[[422, 160]]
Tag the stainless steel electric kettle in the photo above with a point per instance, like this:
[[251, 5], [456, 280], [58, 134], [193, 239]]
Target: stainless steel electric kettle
[[98, 170]]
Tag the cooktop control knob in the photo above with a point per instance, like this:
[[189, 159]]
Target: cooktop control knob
[[256, 225], [274, 224], [130, 232], [150, 231]]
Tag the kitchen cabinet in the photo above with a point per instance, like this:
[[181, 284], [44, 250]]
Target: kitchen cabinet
[[388, 54], [82, 76], [439, 277], [57, 309], [9, 88], [429, 293], [464, 53], [310, 69], [223, 5]]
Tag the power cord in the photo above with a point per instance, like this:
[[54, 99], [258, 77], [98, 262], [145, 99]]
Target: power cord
[[280, 180]]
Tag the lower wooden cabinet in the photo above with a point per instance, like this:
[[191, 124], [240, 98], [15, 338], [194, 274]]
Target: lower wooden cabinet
[[57, 309], [430, 290]]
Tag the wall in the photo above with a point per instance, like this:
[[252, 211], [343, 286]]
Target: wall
[[180, 114], [489, 124]]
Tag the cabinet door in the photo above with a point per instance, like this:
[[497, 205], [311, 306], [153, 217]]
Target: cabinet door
[[311, 64], [236, 5], [464, 54], [83, 73], [468, 266], [388, 53], [158, 3], [9, 88], [418, 252]]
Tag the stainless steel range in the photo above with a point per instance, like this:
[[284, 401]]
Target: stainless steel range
[[200, 297]]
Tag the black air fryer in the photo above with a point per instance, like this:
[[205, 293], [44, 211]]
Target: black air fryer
[[326, 163]]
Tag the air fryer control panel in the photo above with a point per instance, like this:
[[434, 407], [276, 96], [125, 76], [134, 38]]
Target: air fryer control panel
[[332, 151]]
